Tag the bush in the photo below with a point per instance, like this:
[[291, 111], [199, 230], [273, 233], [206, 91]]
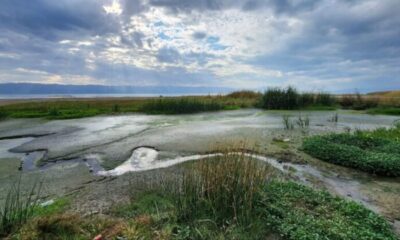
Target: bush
[[179, 106], [370, 154]]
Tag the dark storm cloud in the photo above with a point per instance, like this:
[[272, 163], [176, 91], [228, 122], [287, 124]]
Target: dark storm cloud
[[49, 19]]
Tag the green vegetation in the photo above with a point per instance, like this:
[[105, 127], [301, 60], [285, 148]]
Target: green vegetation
[[299, 212], [179, 106], [229, 196], [376, 152], [290, 99], [245, 94], [17, 207], [358, 102], [385, 110], [3, 114], [67, 109]]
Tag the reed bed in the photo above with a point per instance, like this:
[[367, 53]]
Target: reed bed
[[225, 187]]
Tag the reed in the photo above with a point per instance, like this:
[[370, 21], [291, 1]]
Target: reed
[[225, 187], [18, 207]]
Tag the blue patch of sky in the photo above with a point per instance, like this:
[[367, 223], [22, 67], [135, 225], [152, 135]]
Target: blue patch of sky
[[213, 43], [163, 36]]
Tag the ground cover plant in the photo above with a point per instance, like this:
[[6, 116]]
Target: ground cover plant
[[376, 152]]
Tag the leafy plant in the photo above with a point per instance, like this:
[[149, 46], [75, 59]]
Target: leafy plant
[[361, 150]]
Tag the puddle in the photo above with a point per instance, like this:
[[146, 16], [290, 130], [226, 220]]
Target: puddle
[[30, 160]]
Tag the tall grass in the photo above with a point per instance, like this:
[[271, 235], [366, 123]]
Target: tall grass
[[180, 106], [225, 187], [244, 94], [289, 99], [3, 114], [18, 207], [358, 102]]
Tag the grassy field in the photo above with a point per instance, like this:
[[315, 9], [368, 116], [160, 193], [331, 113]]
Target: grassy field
[[272, 99], [65, 109], [376, 152], [226, 197]]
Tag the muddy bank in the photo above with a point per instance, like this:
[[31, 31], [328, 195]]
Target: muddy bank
[[97, 157]]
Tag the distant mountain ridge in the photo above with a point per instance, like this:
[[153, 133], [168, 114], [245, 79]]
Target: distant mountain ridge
[[37, 88]]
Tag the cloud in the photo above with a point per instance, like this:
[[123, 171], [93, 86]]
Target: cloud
[[331, 44]]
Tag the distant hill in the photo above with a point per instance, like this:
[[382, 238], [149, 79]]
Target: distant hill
[[36, 88]]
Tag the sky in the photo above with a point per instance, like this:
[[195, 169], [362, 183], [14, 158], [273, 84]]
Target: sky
[[314, 45]]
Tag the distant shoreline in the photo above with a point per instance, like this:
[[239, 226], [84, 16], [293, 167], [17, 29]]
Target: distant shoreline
[[22, 98]]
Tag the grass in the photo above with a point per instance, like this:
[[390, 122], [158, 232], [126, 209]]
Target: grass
[[179, 106], [376, 152], [68, 109], [3, 114], [18, 207], [230, 196], [290, 99], [385, 110], [245, 94]]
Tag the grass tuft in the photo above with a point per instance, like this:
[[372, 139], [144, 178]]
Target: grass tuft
[[18, 207]]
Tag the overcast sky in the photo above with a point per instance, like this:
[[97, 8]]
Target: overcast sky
[[331, 45]]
